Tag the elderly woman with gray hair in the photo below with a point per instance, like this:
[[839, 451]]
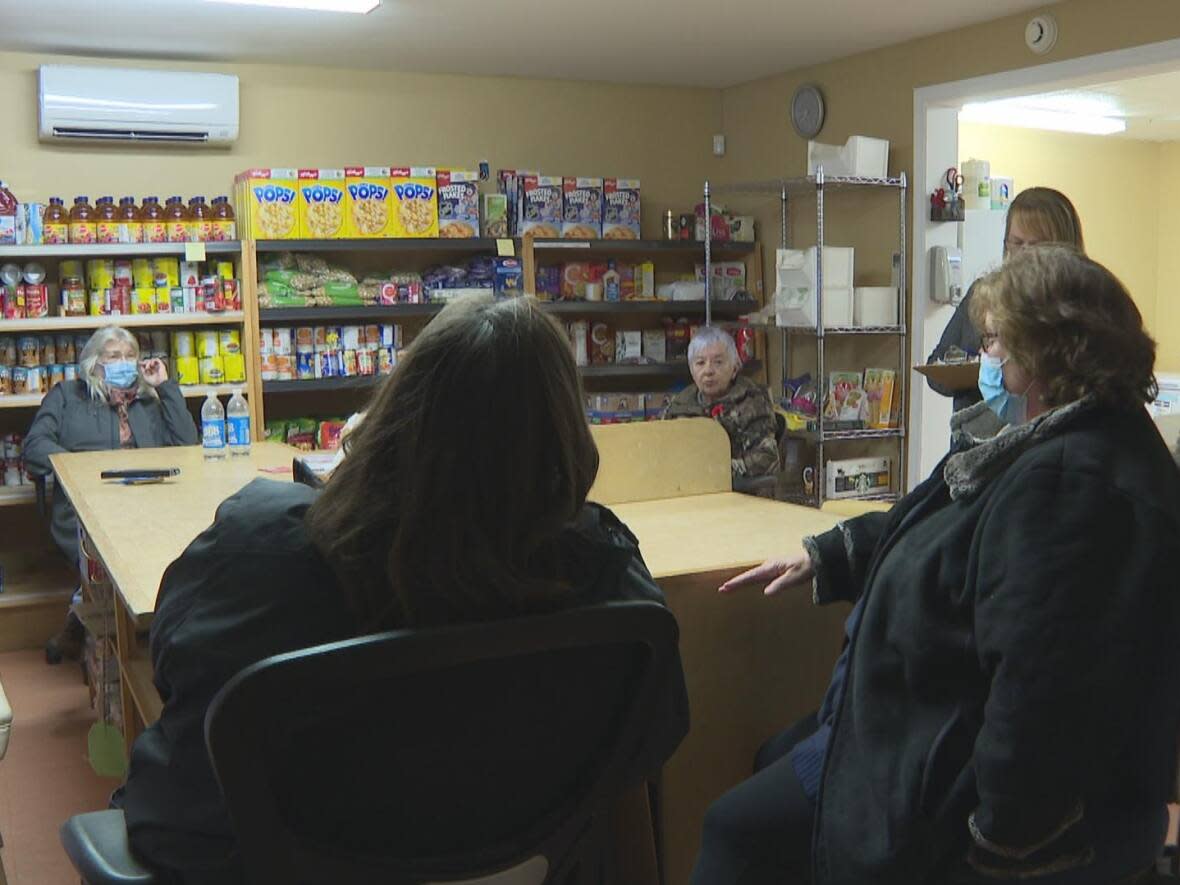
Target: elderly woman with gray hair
[[742, 407], [118, 402]]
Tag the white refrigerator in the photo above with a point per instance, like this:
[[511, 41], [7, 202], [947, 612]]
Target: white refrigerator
[[981, 241]]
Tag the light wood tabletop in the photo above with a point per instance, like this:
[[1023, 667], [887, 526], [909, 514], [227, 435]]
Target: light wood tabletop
[[139, 529]]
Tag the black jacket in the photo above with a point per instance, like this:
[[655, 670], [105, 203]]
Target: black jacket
[[1010, 698], [251, 586], [959, 332], [70, 420]]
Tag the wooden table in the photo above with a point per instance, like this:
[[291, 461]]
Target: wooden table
[[137, 530]]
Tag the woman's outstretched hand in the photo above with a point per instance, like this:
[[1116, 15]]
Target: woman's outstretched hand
[[776, 574]]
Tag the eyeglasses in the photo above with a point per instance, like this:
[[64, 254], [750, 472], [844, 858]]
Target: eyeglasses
[[1011, 244]]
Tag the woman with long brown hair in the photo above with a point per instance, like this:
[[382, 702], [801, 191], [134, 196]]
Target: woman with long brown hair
[[461, 497]]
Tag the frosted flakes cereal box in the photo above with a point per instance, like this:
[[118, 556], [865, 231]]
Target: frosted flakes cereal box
[[267, 203], [414, 210], [323, 204], [458, 204], [369, 201], [620, 208], [541, 203], [581, 208]]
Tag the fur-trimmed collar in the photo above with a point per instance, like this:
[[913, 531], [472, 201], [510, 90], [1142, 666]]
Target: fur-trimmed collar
[[984, 455]]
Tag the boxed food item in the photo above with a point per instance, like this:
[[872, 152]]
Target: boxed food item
[[574, 277], [602, 343], [267, 204], [645, 281], [458, 204], [845, 402], [548, 285], [620, 208], [629, 346], [654, 405], [857, 477], [323, 204], [879, 385], [495, 215], [579, 335], [677, 334], [655, 346], [581, 208], [511, 184], [509, 278], [369, 201], [541, 206], [729, 278], [414, 210]]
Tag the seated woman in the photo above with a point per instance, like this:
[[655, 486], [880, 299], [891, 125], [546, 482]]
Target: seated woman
[[1005, 705], [462, 497], [118, 402], [742, 406]]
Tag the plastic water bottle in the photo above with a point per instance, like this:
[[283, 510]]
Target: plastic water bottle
[[213, 428], [237, 424]]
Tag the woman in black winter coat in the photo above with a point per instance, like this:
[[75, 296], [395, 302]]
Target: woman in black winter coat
[[1005, 707]]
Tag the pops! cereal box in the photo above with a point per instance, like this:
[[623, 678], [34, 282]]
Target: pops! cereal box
[[369, 201], [414, 211], [541, 203], [267, 204], [323, 204], [620, 210], [582, 208], [458, 204]]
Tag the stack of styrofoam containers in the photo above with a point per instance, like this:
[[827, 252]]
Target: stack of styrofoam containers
[[860, 157], [795, 301], [874, 306]]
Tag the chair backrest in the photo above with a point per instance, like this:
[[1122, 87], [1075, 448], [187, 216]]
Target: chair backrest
[[439, 755]]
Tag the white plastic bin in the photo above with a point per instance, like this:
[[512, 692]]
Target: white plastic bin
[[795, 303], [860, 156]]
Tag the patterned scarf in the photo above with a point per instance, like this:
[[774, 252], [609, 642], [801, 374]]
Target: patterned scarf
[[120, 400]]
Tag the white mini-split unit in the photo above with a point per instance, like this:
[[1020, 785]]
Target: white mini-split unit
[[126, 104]]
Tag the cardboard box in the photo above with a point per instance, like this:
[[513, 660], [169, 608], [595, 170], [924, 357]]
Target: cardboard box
[[495, 215], [323, 204], [857, 477], [414, 206], [541, 206], [655, 346], [369, 202], [458, 204], [267, 204], [620, 209], [581, 208], [628, 346]]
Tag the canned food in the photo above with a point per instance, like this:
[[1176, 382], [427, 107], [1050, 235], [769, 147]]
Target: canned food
[[34, 273], [206, 341], [14, 302], [47, 350], [73, 296], [36, 300], [212, 370], [229, 341], [10, 275], [305, 365]]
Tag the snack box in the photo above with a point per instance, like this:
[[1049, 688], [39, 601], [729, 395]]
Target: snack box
[[509, 278], [458, 204], [414, 211], [323, 204], [541, 206], [581, 208], [855, 477], [267, 205], [370, 201], [495, 215], [620, 208]]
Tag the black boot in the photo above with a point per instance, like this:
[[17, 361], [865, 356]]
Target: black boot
[[68, 643]]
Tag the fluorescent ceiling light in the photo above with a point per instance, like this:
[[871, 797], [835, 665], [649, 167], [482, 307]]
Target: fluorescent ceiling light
[[1012, 112], [357, 6]]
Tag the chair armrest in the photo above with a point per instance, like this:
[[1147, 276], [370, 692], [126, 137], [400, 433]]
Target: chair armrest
[[5, 722], [97, 845]]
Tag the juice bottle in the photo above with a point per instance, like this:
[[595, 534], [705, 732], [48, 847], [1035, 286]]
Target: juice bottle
[[55, 223], [107, 220], [130, 224], [200, 220], [176, 220], [83, 226], [152, 216], [225, 228]]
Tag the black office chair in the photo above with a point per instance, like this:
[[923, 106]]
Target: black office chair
[[456, 754]]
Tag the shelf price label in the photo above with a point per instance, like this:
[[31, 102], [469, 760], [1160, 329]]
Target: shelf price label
[[505, 248], [194, 251]]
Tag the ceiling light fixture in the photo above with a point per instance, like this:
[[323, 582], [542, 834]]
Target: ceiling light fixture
[[1012, 113], [356, 6]]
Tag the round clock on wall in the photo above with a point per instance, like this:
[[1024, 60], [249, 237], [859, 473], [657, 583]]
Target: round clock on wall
[[807, 110]]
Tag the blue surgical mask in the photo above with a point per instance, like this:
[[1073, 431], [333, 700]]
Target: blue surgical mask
[[120, 373], [1010, 407]]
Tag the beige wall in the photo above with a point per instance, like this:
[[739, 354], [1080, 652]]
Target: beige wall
[[1113, 182], [1167, 305], [294, 116]]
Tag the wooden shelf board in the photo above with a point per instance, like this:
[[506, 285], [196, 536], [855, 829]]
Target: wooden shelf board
[[131, 321], [113, 250]]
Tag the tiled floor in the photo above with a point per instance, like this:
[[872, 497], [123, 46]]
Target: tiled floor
[[45, 777]]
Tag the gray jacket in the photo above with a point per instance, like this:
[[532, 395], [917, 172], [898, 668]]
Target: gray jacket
[[69, 420]]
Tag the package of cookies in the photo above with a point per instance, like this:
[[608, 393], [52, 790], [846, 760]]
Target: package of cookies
[[620, 208], [369, 201], [581, 208], [414, 211], [323, 204], [458, 204], [267, 205], [541, 206]]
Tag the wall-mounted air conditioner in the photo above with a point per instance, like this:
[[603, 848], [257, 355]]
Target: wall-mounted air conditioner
[[117, 104]]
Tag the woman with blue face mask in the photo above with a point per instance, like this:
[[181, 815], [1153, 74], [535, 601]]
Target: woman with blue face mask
[[117, 402], [1004, 708]]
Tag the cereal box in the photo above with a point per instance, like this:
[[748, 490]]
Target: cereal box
[[369, 201], [620, 208], [323, 204], [458, 204], [541, 203], [495, 215], [414, 210], [581, 208], [267, 204]]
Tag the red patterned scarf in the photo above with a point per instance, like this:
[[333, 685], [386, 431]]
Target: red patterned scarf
[[120, 400]]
